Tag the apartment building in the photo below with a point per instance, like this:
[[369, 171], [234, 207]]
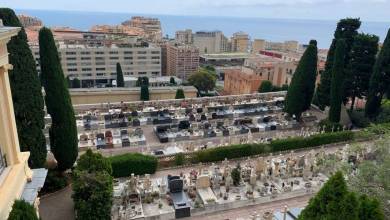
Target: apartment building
[[210, 42], [118, 29], [240, 42], [184, 36], [151, 27], [182, 60], [17, 180], [29, 21], [247, 79], [96, 65], [257, 45]]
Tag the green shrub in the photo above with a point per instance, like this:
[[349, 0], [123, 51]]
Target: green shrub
[[179, 159], [139, 164], [54, 181], [312, 141], [236, 175], [22, 210], [359, 119], [330, 126], [93, 162]]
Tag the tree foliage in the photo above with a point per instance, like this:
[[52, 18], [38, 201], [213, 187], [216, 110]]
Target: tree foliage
[[142, 80], [172, 80], [359, 71], [144, 96], [76, 83], [346, 29], [380, 80], [63, 132], [179, 94], [301, 89], [22, 210], [92, 187], [203, 80], [120, 82], [265, 86], [26, 93], [337, 82]]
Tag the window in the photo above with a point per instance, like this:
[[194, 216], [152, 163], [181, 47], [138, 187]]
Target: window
[[86, 74], [128, 52], [99, 52], [156, 62], [85, 58], [114, 58], [85, 53], [100, 74], [113, 52], [155, 52], [86, 69], [71, 58], [100, 69], [85, 64], [128, 58], [70, 53], [72, 69], [100, 63], [141, 73], [154, 58], [155, 73], [3, 164], [141, 52], [99, 58], [71, 64], [142, 58]]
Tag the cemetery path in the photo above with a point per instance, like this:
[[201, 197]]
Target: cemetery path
[[249, 212], [57, 206]]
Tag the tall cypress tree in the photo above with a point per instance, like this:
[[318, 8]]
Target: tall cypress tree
[[63, 132], [26, 93], [119, 76], [380, 80], [144, 95], [336, 91], [301, 89], [327, 204], [359, 71], [346, 29]]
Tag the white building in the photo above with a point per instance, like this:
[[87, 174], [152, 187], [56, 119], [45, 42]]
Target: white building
[[210, 42], [96, 65]]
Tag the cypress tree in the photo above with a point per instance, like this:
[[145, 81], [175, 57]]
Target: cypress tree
[[119, 76], [265, 86], [172, 80], [337, 82], [301, 89], [359, 71], [179, 94], [26, 93], [329, 201], [63, 132], [346, 29], [144, 96], [76, 83], [370, 209], [380, 80]]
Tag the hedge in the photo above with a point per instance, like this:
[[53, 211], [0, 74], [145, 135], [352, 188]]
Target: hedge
[[139, 164], [312, 141], [245, 150]]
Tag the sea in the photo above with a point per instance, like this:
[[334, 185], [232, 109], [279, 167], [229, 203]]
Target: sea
[[270, 29]]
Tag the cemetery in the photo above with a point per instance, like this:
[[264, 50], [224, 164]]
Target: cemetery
[[212, 187]]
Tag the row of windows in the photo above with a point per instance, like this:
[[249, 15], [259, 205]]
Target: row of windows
[[110, 52], [112, 58]]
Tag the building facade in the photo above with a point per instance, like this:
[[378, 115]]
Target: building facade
[[17, 180], [96, 65], [28, 21], [151, 27], [184, 36], [210, 42], [182, 60], [240, 42], [258, 45]]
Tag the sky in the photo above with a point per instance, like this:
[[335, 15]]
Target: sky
[[369, 10]]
